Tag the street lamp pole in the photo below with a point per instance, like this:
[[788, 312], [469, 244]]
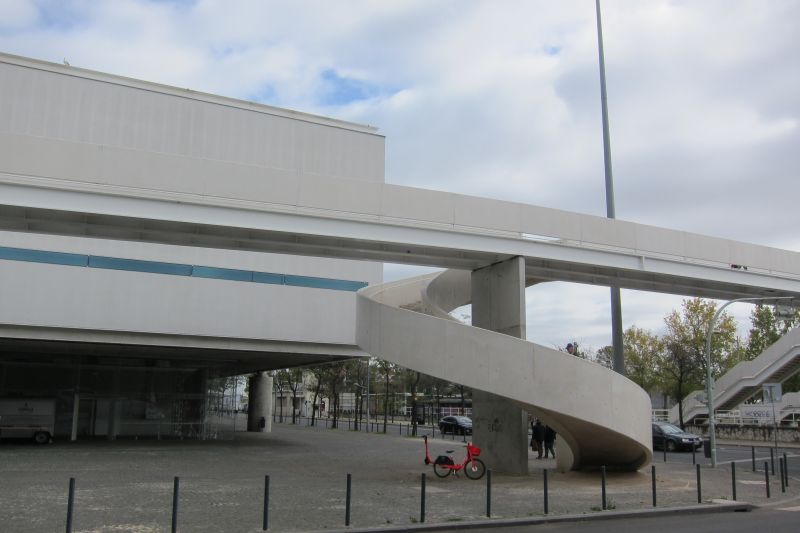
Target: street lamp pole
[[712, 432]]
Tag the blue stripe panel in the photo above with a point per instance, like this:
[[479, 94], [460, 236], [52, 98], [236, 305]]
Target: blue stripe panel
[[221, 273], [39, 256], [324, 283], [176, 269], [136, 265], [267, 277]]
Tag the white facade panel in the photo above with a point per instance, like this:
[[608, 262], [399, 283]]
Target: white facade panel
[[109, 300], [112, 112], [551, 223], [608, 232], [93, 129], [416, 204], [660, 240], [485, 213]]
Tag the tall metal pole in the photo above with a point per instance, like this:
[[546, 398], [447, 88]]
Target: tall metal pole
[[368, 394], [618, 357]]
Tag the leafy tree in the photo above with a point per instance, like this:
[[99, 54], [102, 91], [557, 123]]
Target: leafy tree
[[280, 381], [318, 375], [684, 362], [294, 378], [334, 377], [356, 376], [386, 370], [644, 353], [767, 328], [412, 378]]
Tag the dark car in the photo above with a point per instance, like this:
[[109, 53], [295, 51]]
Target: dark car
[[457, 425], [673, 437]]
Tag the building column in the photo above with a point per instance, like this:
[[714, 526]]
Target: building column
[[259, 403], [76, 409], [500, 427]]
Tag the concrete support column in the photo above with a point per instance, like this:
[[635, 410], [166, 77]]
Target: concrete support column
[[76, 409], [260, 403], [500, 426]]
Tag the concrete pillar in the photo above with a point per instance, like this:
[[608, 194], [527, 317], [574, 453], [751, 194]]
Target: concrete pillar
[[76, 409], [500, 426], [260, 403]]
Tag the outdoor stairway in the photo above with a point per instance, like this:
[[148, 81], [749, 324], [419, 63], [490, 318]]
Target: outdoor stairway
[[602, 416], [777, 363]]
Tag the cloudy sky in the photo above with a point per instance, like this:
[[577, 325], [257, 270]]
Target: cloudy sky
[[500, 99]]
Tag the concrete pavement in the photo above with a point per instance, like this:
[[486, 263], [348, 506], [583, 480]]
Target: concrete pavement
[[127, 485]]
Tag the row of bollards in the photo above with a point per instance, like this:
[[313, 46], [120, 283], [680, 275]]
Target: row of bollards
[[782, 464]]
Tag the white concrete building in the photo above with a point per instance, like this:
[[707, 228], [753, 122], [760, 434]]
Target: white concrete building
[[124, 334]]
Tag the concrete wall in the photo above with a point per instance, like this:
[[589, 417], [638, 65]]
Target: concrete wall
[[765, 434], [95, 128]]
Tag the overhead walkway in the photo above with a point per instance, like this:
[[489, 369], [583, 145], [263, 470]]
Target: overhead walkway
[[601, 415], [777, 363]]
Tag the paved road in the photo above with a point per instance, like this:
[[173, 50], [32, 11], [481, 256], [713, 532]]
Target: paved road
[[127, 485], [775, 521]]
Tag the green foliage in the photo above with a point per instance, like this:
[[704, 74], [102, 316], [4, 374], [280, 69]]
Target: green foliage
[[768, 327], [644, 355]]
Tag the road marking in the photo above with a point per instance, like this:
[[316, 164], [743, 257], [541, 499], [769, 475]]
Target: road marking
[[748, 482]]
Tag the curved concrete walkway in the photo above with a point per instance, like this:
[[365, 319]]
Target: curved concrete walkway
[[603, 417]]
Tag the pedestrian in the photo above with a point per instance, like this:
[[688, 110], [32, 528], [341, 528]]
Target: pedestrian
[[549, 440], [538, 437]]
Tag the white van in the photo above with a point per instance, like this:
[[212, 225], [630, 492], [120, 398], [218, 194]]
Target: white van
[[27, 419]]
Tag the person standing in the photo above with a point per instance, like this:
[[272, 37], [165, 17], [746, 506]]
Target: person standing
[[538, 436], [549, 440]]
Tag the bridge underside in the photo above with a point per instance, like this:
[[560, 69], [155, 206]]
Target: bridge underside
[[138, 386]]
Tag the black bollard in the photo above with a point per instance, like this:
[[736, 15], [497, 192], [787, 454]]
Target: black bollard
[[544, 471], [783, 480], [665, 451], [347, 502], [766, 476], [422, 501], [653, 478], [772, 460], [70, 503], [699, 487], [176, 485], [603, 486], [753, 453], [786, 468], [489, 493], [733, 480], [265, 524]]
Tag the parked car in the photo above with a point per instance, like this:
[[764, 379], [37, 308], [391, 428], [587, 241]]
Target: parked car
[[674, 438], [457, 425]]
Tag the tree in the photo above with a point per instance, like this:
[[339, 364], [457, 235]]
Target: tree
[[683, 366], [386, 371], [412, 377], [294, 378], [644, 353], [767, 328], [280, 378], [356, 374], [318, 374], [335, 375]]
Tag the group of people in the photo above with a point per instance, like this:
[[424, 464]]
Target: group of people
[[542, 439]]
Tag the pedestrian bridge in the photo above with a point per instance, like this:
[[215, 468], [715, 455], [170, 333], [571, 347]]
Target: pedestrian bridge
[[603, 417], [777, 363], [93, 155]]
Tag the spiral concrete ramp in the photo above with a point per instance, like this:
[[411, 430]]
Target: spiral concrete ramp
[[603, 417]]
